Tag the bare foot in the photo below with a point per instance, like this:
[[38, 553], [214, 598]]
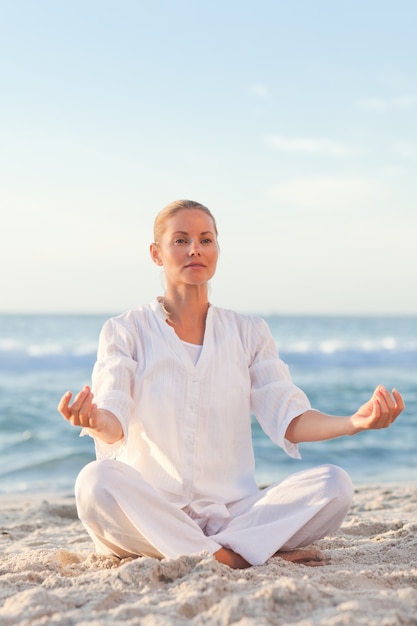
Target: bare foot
[[230, 558], [312, 558]]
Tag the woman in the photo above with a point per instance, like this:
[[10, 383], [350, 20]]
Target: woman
[[174, 386]]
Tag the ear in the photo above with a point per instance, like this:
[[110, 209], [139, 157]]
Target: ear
[[153, 249]]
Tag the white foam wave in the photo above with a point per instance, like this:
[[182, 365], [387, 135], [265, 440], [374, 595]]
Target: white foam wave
[[333, 346]]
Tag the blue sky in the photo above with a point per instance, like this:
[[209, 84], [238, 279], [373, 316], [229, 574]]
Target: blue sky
[[295, 122]]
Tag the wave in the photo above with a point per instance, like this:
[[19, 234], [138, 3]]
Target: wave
[[36, 357], [60, 343], [384, 352]]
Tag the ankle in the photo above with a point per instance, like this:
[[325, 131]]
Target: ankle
[[230, 558]]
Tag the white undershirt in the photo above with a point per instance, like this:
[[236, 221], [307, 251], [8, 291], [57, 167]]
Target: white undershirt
[[194, 350]]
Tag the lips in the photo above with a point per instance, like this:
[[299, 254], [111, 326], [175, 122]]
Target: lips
[[195, 265]]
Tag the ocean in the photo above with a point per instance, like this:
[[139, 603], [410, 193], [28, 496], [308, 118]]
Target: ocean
[[336, 360]]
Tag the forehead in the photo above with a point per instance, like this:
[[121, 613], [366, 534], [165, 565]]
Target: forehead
[[189, 220]]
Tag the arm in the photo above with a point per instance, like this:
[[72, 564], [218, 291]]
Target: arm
[[379, 412], [83, 412]]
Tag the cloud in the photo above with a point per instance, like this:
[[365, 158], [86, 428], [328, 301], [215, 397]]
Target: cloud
[[306, 145], [376, 105], [406, 149], [330, 194], [381, 105], [260, 90], [405, 102]]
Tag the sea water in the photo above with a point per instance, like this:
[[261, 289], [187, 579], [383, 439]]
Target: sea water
[[337, 361]]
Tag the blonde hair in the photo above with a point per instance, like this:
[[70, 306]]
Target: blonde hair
[[172, 209]]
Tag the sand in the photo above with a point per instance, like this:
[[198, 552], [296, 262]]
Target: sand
[[49, 573]]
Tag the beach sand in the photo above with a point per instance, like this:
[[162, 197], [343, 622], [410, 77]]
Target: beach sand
[[50, 575]]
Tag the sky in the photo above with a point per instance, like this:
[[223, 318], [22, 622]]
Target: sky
[[294, 122]]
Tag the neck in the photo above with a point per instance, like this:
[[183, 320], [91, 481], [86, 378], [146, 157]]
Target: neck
[[187, 315], [187, 305]]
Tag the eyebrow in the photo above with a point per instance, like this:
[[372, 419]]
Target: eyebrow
[[184, 232]]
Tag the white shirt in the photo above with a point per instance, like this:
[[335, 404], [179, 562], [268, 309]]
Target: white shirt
[[187, 427]]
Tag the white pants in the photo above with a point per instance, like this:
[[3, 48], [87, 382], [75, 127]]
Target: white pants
[[126, 516]]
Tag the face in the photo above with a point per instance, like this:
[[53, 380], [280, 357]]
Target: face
[[188, 250]]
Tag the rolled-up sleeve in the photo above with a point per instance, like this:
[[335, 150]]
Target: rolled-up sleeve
[[113, 380], [275, 399]]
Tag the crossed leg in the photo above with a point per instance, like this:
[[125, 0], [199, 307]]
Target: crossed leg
[[126, 516]]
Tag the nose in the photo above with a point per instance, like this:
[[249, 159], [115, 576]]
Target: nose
[[195, 248]]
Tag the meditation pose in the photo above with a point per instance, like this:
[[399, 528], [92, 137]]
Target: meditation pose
[[173, 390]]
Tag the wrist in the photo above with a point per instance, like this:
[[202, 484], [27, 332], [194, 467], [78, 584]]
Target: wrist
[[351, 429], [108, 428]]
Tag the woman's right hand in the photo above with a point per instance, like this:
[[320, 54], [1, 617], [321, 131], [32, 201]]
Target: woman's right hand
[[84, 412]]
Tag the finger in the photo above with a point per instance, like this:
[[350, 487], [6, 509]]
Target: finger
[[63, 406], [399, 402], [377, 408], [389, 410], [94, 417], [80, 399], [394, 404], [84, 413], [381, 418], [387, 402]]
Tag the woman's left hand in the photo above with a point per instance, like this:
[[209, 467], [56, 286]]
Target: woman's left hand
[[380, 411]]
